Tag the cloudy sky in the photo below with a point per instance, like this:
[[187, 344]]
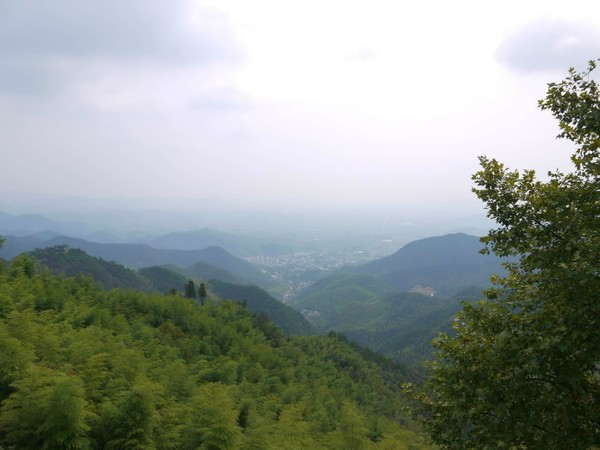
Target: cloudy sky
[[271, 102]]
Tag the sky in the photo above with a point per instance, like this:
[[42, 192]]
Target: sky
[[324, 104]]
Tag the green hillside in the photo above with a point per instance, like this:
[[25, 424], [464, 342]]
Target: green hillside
[[73, 261], [447, 263], [87, 368], [240, 269], [259, 301], [163, 279], [400, 325], [328, 294]]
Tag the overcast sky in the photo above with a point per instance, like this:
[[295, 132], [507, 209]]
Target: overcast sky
[[350, 103]]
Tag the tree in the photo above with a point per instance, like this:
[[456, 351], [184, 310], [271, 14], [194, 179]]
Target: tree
[[129, 423], [213, 424], [48, 410], [190, 290], [522, 370], [202, 293], [2, 240]]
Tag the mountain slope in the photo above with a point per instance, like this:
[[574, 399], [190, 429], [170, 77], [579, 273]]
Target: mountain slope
[[15, 245], [28, 224], [163, 279], [445, 263], [220, 258], [84, 368], [199, 239], [329, 295], [260, 302], [72, 261], [202, 271], [140, 255]]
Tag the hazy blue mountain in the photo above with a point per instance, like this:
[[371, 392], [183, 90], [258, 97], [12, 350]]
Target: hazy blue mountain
[[73, 261], [141, 255], [240, 268], [103, 237], [199, 239], [237, 245], [445, 263], [29, 224], [202, 271], [5, 216], [45, 235], [260, 302], [15, 245]]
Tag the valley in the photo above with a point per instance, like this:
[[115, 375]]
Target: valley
[[391, 300], [299, 225]]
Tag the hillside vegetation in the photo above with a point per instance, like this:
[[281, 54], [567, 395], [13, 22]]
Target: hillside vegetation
[[163, 279], [87, 368], [400, 325], [73, 261], [259, 301], [522, 368], [136, 256], [447, 263]]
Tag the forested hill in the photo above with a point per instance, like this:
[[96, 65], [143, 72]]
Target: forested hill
[[260, 302], [70, 262], [447, 263], [164, 279], [400, 325], [73, 261], [87, 368]]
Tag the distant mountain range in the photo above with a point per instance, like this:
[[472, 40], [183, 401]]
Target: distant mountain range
[[32, 224], [195, 240], [141, 255], [44, 228]]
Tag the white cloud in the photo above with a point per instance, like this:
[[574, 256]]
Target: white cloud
[[46, 46]]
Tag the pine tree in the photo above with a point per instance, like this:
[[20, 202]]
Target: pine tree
[[202, 293], [190, 290]]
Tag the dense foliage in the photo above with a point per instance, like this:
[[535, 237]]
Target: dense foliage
[[259, 302], [447, 263], [82, 367], [399, 325], [73, 261], [163, 279], [523, 369]]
